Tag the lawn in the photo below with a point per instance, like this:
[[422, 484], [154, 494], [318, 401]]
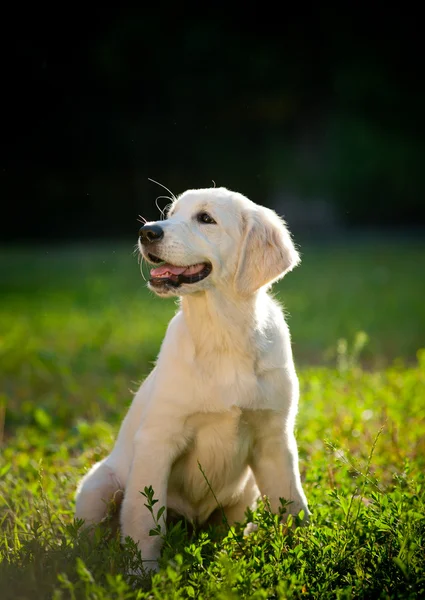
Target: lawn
[[79, 331]]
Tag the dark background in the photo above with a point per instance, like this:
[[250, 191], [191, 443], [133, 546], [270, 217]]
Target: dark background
[[316, 113]]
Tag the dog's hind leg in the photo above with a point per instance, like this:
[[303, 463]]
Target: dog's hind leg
[[94, 493]]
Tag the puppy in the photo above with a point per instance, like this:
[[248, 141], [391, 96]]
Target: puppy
[[214, 420]]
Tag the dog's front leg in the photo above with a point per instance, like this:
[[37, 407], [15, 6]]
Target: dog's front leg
[[154, 453], [274, 463]]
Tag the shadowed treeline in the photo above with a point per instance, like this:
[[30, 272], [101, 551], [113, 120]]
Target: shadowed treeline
[[318, 114]]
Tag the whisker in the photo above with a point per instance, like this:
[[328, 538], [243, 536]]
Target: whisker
[[139, 260], [141, 219], [163, 186], [141, 263], [162, 211]]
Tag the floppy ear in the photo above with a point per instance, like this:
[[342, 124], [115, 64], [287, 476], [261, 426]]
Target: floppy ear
[[267, 252]]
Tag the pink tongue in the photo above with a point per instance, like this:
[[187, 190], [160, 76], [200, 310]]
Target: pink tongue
[[166, 270]]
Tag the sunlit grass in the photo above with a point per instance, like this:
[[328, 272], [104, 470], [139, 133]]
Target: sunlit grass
[[78, 331]]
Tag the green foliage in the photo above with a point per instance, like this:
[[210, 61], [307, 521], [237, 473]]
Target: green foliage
[[77, 333]]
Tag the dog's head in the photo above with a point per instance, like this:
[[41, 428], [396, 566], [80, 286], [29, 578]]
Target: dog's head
[[216, 238]]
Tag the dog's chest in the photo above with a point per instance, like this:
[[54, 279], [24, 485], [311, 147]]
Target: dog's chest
[[216, 455], [210, 375], [223, 434], [222, 381]]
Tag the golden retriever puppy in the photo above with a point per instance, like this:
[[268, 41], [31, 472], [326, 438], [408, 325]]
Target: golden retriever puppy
[[224, 392]]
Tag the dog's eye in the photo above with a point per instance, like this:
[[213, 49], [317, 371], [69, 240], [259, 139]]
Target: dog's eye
[[204, 217]]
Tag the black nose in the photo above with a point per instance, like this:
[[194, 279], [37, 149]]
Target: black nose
[[150, 233]]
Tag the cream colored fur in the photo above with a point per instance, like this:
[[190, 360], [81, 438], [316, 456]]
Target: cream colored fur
[[224, 392]]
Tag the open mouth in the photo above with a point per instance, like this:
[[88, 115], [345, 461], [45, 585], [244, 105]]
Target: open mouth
[[174, 276]]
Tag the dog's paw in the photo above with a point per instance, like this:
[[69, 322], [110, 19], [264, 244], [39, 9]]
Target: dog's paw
[[147, 567], [250, 528], [142, 575], [299, 513]]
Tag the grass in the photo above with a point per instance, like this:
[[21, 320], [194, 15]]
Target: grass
[[78, 332]]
